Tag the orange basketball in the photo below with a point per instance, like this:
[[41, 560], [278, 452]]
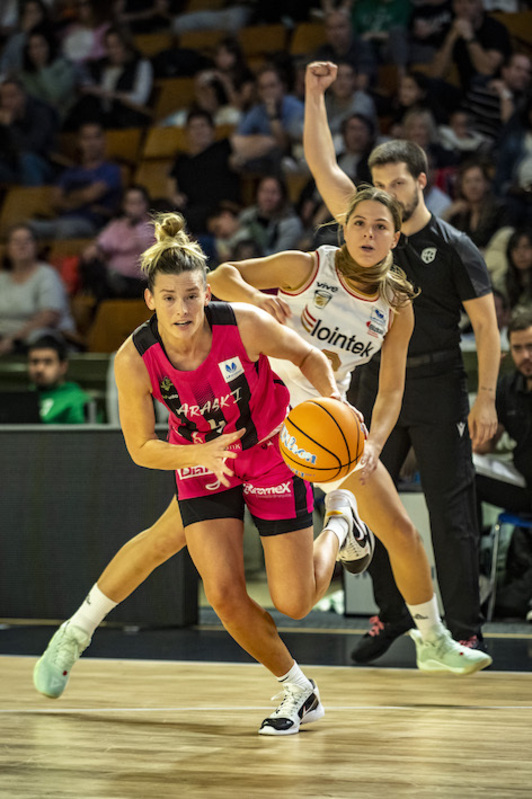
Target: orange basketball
[[322, 440]]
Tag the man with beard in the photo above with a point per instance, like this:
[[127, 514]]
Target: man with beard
[[435, 418]]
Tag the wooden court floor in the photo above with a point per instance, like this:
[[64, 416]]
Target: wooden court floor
[[136, 729]]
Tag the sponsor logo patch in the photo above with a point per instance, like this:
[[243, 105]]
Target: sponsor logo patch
[[231, 369]]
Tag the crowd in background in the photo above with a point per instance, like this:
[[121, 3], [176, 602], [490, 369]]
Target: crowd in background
[[446, 74]]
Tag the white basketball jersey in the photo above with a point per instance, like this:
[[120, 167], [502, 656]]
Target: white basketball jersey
[[347, 326]]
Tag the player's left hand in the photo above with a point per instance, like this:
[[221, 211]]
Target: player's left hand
[[369, 461], [482, 420]]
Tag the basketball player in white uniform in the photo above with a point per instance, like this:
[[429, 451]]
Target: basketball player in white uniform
[[351, 302]]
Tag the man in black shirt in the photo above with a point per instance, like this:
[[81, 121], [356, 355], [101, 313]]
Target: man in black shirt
[[476, 44], [514, 412], [435, 418]]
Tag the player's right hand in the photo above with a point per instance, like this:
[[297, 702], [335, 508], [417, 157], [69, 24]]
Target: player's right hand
[[320, 75], [273, 305], [215, 453]]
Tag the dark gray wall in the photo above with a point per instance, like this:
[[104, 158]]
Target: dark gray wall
[[69, 498]]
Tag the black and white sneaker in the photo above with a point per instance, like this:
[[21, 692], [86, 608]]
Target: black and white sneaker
[[299, 706], [357, 550]]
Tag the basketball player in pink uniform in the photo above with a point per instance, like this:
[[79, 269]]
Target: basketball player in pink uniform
[[208, 364]]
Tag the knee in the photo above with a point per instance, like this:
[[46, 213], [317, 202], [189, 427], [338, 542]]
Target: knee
[[294, 606], [226, 599]]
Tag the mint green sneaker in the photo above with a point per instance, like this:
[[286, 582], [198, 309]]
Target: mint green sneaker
[[445, 654], [52, 670]]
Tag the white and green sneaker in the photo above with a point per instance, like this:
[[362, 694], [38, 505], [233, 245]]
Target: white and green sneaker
[[445, 654], [52, 670]]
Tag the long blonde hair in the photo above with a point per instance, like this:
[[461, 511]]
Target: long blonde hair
[[384, 277], [173, 252]]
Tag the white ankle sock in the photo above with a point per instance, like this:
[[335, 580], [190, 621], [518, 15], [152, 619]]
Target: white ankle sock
[[338, 526], [336, 504], [296, 676], [93, 611], [427, 618]]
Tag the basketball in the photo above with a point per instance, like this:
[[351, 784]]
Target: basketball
[[322, 440]]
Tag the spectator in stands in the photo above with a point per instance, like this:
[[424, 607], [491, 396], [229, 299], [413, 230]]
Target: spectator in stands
[[436, 199], [492, 102], [210, 96], [411, 93], [270, 128], [232, 70], [33, 300], [513, 173], [118, 88], [84, 39], [343, 45], [429, 23], [516, 282], [476, 44], [514, 414], [343, 99], [460, 139], [86, 196], [110, 267], [33, 13], [226, 232], [476, 211], [272, 222], [384, 25], [27, 135], [45, 74], [420, 127], [203, 176], [61, 402]]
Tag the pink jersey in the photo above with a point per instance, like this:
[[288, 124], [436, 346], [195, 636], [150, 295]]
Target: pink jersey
[[227, 392]]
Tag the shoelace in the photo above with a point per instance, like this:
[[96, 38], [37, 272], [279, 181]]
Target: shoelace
[[291, 700], [376, 626], [66, 652]]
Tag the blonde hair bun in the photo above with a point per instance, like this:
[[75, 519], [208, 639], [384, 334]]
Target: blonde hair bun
[[168, 226]]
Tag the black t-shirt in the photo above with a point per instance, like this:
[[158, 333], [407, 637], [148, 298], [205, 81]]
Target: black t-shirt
[[492, 35], [438, 16], [206, 179], [514, 412], [449, 270]]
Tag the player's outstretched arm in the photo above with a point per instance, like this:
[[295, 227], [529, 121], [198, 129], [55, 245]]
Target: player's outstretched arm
[[333, 184], [243, 281]]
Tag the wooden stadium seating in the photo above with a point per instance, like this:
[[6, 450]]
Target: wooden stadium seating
[[204, 41], [22, 203], [122, 144], [149, 44], [153, 175], [307, 37], [172, 94], [260, 40], [164, 142], [519, 25], [115, 320]]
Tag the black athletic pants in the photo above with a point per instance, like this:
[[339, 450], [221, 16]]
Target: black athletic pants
[[433, 420]]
